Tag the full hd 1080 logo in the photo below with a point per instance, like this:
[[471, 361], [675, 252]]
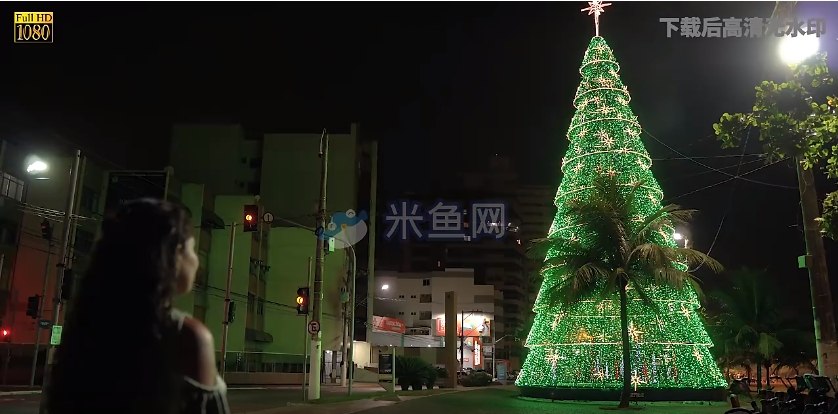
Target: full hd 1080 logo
[[33, 27]]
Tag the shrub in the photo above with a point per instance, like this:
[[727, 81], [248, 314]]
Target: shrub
[[477, 379], [411, 372]]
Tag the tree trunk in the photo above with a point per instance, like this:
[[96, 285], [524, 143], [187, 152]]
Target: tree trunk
[[759, 378], [767, 374], [625, 396]]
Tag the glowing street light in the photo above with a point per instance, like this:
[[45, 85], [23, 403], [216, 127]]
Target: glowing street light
[[677, 236], [385, 287], [795, 49], [36, 167]]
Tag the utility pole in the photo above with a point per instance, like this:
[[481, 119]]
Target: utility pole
[[349, 366], [317, 310], [826, 340], [226, 323], [40, 316], [371, 238], [305, 338], [65, 247]]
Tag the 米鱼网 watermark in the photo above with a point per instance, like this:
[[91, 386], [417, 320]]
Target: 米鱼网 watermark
[[446, 221], [749, 27]]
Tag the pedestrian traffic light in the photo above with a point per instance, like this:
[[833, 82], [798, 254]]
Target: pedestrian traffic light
[[251, 218], [231, 312], [32, 305], [46, 230], [6, 334], [302, 300], [67, 284]]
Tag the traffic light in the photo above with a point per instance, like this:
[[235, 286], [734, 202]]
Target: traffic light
[[302, 300], [6, 334], [251, 218], [32, 305], [46, 230], [67, 284], [231, 312]]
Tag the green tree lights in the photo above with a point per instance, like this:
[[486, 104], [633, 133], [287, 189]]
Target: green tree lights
[[579, 345]]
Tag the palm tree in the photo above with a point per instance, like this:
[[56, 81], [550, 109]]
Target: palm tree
[[749, 322], [620, 253]]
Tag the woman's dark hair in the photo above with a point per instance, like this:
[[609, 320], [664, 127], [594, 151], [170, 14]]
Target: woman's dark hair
[[115, 355]]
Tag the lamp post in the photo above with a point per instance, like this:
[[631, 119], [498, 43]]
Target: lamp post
[[794, 50], [62, 265]]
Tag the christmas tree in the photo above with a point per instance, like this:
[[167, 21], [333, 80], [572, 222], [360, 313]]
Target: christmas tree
[[578, 347]]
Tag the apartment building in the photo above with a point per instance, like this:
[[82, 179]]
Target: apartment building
[[418, 299]]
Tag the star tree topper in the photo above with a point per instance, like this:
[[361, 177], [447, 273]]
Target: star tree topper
[[596, 8]]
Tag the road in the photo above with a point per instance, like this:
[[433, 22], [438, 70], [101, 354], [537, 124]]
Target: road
[[241, 400], [483, 401]]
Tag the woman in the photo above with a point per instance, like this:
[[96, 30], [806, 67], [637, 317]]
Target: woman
[[124, 348]]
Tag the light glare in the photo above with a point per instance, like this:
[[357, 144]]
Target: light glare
[[796, 49]]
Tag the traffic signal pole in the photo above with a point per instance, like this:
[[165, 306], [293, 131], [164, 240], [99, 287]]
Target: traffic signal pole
[[65, 249], [317, 309], [40, 316], [226, 324]]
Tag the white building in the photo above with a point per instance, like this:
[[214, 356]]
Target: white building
[[418, 299]]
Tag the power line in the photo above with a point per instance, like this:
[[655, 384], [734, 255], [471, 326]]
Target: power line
[[725, 181], [707, 157], [716, 169]]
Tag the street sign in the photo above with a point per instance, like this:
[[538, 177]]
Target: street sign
[[55, 339], [44, 323], [385, 366], [313, 327], [268, 217]]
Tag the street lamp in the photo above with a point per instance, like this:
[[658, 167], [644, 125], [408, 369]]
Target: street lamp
[[37, 168], [385, 287], [795, 49], [679, 236]]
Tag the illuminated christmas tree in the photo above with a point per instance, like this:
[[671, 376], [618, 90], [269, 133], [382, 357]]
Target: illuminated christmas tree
[[578, 348]]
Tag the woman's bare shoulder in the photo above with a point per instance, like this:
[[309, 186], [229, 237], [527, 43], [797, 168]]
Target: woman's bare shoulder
[[197, 352]]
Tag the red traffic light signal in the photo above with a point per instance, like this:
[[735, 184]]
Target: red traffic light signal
[[6, 335], [6, 332]]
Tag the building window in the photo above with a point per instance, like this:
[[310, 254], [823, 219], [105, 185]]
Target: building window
[[253, 187], [401, 296], [425, 298], [425, 315], [89, 199], [84, 241], [426, 282], [413, 296], [413, 313], [401, 313], [11, 187]]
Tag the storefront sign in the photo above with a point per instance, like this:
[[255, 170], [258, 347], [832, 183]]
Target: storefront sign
[[475, 326], [385, 324], [478, 353]]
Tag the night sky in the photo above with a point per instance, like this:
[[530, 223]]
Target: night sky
[[442, 86]]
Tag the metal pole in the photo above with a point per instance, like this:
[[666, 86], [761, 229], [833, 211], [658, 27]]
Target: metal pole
[[317, 310], [351, 364], [494, 349], [65, 247], [40, 315], [305, 338], [371, 238], [462, 340], [343, 345], [226, 322]]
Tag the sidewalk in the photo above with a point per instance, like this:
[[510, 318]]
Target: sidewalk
[[354, 406], [18, 390]]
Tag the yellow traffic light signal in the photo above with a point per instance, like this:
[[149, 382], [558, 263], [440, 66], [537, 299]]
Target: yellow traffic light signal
[[251, 218]]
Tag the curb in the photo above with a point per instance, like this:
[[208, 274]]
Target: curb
[[28, 392]]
